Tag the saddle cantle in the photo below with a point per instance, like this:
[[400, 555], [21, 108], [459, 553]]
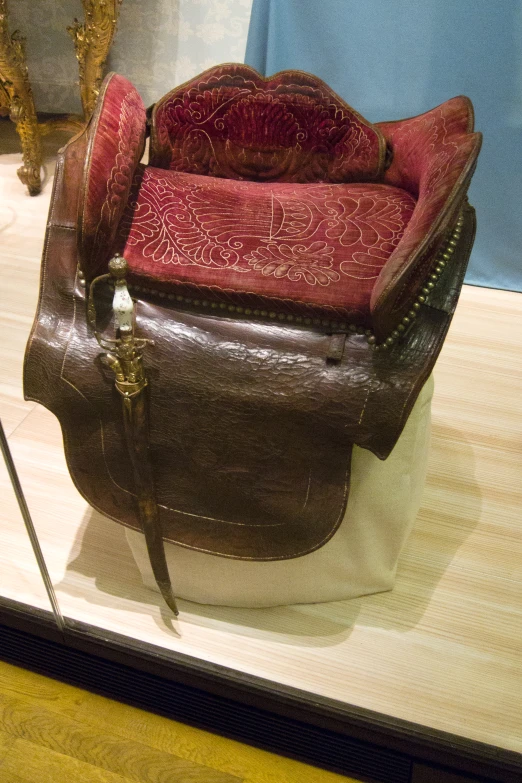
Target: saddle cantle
[[293, 272]]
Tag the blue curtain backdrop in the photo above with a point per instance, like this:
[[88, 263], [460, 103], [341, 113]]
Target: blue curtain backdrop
[[397, 58]]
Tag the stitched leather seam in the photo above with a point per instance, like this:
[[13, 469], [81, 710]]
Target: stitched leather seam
[[299, 553]]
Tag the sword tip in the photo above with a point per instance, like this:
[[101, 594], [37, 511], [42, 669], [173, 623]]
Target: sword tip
[[168, 597]]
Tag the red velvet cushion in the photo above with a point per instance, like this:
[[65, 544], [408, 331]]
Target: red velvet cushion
[[115, 145], [294, 248], [232, 122]]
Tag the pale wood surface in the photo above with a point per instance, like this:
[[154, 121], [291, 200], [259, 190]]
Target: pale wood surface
[[51, 732], [442, 649]]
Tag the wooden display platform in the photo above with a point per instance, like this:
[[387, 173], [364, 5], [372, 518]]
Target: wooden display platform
[[442, 650]]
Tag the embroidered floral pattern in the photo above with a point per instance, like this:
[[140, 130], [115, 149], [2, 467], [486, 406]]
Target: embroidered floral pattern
[[311, 263], [280, 240], [372, 221]]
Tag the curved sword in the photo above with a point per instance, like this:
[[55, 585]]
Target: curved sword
[[125, 358]]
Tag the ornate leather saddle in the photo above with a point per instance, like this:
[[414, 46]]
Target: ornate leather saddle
[[217, 328]]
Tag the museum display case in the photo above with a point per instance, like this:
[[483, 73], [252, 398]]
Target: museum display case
[[386, 672]]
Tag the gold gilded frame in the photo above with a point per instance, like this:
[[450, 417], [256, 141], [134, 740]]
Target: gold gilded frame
[[16, 95], [92, 41]]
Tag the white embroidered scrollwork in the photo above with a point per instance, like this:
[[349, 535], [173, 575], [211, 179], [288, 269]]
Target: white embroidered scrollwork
[[310, 234], [310, 263], [129, 144]]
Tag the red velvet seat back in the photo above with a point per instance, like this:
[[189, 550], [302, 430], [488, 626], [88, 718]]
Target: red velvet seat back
[[435, 155], [115, 144], [232, 122]]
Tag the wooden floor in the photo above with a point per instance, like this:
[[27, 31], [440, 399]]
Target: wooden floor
[[442, 649], [54, 733]]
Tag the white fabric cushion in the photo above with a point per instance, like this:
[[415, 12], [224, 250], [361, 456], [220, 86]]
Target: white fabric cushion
[[360, 558]]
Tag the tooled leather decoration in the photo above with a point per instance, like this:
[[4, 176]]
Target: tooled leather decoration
[[252, 419]]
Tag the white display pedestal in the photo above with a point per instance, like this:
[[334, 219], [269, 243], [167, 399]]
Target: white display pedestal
[[360, 559]]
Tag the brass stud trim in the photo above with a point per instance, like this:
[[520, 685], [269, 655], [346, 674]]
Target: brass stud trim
[[441, 261]]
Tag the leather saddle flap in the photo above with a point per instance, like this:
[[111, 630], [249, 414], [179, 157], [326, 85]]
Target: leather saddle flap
[[250, 433]]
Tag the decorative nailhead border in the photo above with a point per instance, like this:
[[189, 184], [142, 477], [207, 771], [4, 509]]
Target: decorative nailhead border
[[221, 308], [443, 257]]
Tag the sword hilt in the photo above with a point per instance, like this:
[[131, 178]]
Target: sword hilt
[[125, 351]]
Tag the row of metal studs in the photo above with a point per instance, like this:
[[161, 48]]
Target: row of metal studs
[[440, 262], [247, 311], [443, 257]]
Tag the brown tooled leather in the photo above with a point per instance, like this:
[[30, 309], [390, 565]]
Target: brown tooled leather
[[252, 426]]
